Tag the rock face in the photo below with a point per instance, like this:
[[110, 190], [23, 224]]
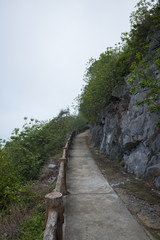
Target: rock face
[[128, 132]]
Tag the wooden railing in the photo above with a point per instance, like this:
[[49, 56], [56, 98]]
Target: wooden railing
[[54, 200]]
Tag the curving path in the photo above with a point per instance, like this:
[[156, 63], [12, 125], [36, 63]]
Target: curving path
[[92, 209]]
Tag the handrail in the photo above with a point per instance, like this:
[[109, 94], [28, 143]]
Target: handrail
[[54, 216], [51, 226], [61, 180], [54, 200]]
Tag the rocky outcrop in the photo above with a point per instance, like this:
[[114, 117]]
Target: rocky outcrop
[[127, 132]]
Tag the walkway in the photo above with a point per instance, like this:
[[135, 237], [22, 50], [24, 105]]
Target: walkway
[[92, 209]]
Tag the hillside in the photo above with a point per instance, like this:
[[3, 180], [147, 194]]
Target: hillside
[[121, 98], [25, 175]]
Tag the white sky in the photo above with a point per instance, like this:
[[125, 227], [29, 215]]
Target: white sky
[[44, 48]]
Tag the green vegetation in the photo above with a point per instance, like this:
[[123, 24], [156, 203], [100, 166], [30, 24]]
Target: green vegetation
[[101, 77], [21, 159], [122, 163], [11, 185], [24, 219], [147, 81], [33, 227], [23, 156], [130, 58], [29, 147]]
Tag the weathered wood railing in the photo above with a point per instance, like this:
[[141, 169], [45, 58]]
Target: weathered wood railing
[[54, 200]]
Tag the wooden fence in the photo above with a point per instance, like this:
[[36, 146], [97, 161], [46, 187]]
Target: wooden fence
[[54, 200]]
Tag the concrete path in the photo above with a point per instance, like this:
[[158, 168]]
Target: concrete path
[[92, 209]]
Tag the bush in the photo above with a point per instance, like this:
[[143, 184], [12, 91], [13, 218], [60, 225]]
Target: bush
[[24, 149], [29, 148], [33, 227], [11, 187], [101, 77], [117, 63], [23, 156]]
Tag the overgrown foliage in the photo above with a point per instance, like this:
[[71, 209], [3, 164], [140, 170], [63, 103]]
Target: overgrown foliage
[[128, 57], [145, 69], [33, 227], [24, 154], [144, 79], [11, 187], [101, 77]]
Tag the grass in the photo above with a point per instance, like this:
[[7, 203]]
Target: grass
[[33, 227], [25, 220]]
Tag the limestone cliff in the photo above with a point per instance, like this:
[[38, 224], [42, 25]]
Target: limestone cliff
[[127, 132]]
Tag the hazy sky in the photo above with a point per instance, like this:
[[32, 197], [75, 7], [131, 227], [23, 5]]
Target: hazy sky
[[44, 48]]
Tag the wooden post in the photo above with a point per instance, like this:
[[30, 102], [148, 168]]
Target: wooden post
[[51, 226], [54, 201], [64, 152], [61, 180], [64, 161]]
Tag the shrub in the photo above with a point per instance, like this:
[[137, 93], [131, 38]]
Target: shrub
[[23, 156], [122, 163], [11, 187], [117, 63], [33, 227]]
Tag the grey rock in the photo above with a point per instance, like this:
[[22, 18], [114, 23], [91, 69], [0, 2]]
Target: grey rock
[[51, 180], [128, 132], [152, 172], [155, 43], [155, 144], [154, 160], [157, 182], [97, 135], [52, 166], [121, 91], [137, 160], [151, 209]]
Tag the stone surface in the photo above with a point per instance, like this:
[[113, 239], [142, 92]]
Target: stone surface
[[129, 133], [92, 209], [153, 172], [52, 166], [97, 135], [157, 182], [51, 180]]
